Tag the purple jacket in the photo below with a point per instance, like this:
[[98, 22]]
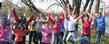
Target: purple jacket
[[5, 33], [46, 34]]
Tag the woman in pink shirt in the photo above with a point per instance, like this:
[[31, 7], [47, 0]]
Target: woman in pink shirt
[[5, 32], [46, 34], [56, 23], [19, 34], [86, 25]]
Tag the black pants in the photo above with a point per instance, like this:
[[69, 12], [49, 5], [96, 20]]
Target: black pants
[[45, 43], [24, 39], [13, 36], [99, 36], [2, 42], [19, 42], [38, 37], [32, 36], [62, 34]]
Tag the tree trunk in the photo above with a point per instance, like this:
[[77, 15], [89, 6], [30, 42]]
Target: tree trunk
[[90, 6], [97, 6], [85, 6]]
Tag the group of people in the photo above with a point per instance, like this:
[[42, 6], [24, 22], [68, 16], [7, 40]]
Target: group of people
[[56, 29]]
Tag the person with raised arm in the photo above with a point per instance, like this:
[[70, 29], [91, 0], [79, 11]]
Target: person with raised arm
[[5, 29], [100, 25], [86, 27], [46, 33], [20, 32], [72, 33], [22, 21], [56, 23]]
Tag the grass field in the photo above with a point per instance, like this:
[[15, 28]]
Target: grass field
[[93, 33]]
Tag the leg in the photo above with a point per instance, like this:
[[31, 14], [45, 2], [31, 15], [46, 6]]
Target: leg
[[8, 43], [60, 39], [30, 37], [19, 42], [40, 37], [81, 41], [97, 40], [62, 34], [69, 36], [24, 39], [1, 42], [37, 37], [13, 37], [102, 35], [65, 36], [74, 35], [89, 37], [54, 38], [34, 37]]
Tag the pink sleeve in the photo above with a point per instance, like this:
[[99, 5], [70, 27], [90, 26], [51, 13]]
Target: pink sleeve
[[82, 19], [15, 16], [30, 19], [1, 28], [50, 19], [91, 19], [15, 30], [26, 30]]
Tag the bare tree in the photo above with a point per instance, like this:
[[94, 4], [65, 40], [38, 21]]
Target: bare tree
[[32, 7], [97, 6], [90, 5]]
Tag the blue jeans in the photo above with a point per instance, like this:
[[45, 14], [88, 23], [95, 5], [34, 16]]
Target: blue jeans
[[85, 39], [99, 36], [32, 36], [38, 37], [56, 38], [72, 36], [2, 42], [65, 36]]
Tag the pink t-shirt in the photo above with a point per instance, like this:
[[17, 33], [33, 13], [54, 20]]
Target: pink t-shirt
[[46, 34], [86, 26], [56, 25]]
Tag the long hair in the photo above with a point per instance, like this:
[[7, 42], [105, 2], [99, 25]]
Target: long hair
[[0, 4]]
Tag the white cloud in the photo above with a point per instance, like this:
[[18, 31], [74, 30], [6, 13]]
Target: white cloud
[[1, 0]]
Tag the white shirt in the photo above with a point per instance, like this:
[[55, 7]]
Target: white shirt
[[66, 24], [71, 24]]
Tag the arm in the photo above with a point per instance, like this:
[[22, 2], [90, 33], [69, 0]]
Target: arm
[[49, 19], [74, 10], [1, 28], [14, 30], [62, 18], [104, 7], [82, 19], [9, 15], [80, 16], [90, 15], [26, 31], [15, 16], [31, 18]]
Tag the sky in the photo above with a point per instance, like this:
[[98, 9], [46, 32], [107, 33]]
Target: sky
[[45, 5]]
